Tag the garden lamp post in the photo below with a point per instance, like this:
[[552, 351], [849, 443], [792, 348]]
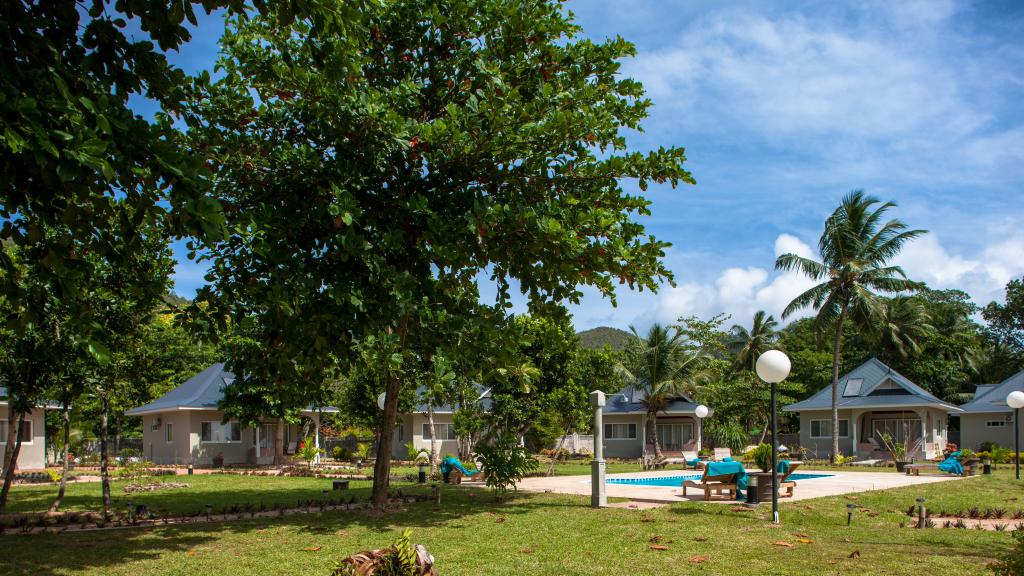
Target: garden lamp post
[[773, 367], [1015, 400], [701, 412], [598, 496]]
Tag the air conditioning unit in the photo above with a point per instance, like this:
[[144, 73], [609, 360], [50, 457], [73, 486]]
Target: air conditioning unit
[[156, 423]]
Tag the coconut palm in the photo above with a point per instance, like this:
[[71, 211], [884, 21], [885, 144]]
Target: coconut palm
[[855, 249], [661, 367], [747, 345], [900, 323]]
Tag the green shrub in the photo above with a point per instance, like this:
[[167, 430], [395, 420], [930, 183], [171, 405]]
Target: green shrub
[[1012, 563], [341, 453], [308, 450], [416, 454], [762, 456], [504, 462]]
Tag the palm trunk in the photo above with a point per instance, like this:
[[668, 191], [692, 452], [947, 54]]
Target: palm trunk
[[104, 457], [835, 384], [558, 451], [652, 433], [11, 454], [66, 413], [382, 467], [433, 447]]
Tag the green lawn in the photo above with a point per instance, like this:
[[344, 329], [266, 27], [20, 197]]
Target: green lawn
[[528, 534]]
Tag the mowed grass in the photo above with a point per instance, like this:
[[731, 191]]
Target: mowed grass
[[472, 534]]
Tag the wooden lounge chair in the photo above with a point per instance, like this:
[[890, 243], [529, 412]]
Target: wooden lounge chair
[[722, 454], [716, 484], [785, 483], [915, 469]]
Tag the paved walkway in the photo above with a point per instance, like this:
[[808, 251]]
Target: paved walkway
[[839, 483]]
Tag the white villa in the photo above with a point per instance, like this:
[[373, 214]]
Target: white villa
[[185, 426], [33, 436], [874, 400]]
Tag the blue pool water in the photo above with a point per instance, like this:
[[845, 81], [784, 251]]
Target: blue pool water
[[677, 481]]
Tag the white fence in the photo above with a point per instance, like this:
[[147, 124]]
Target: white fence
[[576, 443]]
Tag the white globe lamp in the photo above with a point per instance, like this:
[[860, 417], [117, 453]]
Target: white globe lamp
[[1015, 400], [701, 411], [773, 366], [380, 400]]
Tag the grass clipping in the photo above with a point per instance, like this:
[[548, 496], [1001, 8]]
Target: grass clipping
[[400, 559]]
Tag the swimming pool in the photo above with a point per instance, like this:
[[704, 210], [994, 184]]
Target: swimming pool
[[677, 481]]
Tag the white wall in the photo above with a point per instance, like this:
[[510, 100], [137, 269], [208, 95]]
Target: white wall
[[32, 454]]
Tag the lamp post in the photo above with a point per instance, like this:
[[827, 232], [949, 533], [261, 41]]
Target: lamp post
[[1015, 400], [598, 496], [701, 412], [773, 367]]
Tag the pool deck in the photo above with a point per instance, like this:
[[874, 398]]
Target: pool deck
[[839, 483]]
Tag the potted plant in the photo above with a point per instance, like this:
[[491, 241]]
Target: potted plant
[[704, 454], [898, 451], [762, 457], [308, 451], [360, 453]]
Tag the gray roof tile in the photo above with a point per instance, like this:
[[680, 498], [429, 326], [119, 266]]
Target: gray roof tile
[[992, 397]]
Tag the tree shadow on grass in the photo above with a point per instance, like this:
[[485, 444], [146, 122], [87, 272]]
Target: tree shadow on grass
[[103, 550]]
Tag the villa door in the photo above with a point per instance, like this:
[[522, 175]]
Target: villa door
[[265, 443], [673, 436], [903, 430]]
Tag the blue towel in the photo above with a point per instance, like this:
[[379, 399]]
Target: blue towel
[[723, 468], [727, 459], [783, 467], [952, 465], [692, 462]]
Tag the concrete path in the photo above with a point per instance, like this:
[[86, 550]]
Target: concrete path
[[839, 483]]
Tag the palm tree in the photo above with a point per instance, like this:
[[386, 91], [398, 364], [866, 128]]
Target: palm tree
[[900, 323], [747, 345], [661, 367], [855, 249]]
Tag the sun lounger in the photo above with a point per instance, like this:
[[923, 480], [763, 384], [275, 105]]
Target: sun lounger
[[722, 453], [871, 462], [685, 457], [720, 477]]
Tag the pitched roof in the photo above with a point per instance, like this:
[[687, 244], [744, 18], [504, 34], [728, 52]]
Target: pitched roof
[[630, 401], [483, 396], [48, 404], [204, 391], [992, 397], [872, 385]]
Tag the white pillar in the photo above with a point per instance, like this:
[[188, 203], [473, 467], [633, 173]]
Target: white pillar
[[598, 495], [700, 434], [316, 440], [258, 426]]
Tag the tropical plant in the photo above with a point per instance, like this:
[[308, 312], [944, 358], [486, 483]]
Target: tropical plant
[[661, 367], [747, 345], [1012, 562], [362, 451], [762, 456], [400, 559], [416, 454], [855, 249], [900, 325], [308, 451], [504, 462], [898, 450]]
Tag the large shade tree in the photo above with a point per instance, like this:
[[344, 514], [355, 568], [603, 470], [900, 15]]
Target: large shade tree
[[374, 165], [855, 250]]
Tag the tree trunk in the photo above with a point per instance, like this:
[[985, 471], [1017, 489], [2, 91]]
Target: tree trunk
[[66, 413], [558, 451], [11, 454], [652, 433], [835, 384], [382, 466], [104, 456], [433, 443], [117, 436], [764, 432], [279, 443]]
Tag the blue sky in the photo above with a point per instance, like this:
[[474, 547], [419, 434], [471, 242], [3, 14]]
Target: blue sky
[[785, 107]]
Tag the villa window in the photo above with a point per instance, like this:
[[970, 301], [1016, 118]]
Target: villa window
[[995, 424], [25, 432], [441, 432], [169, 433], [216, 432], [620, 431], [823, 428], [400, 432], [902, 430]]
